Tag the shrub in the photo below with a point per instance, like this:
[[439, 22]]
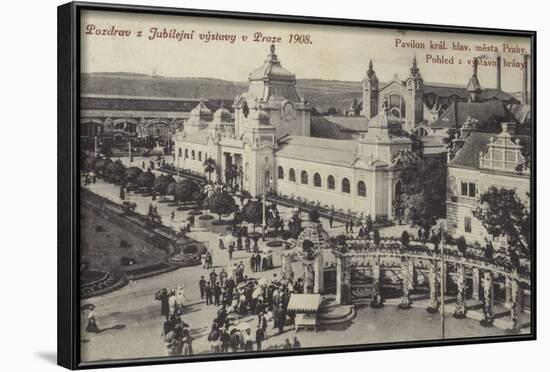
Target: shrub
[[405, 238]]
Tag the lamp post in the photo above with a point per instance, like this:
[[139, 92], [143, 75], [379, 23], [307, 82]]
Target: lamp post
[[178, 167], [130, 150], [264, 223], [442, 282]]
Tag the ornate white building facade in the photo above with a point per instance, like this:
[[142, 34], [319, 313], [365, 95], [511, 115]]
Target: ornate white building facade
[[269, 143], [480, 161]]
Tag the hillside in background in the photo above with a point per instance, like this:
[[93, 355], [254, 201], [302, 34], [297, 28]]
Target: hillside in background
[[323, 94]]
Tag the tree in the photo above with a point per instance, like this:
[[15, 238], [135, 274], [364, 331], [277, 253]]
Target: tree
[[461, 244], [231, 174], [116, 171], [314, 215], [252, 212], [183, 191], [451, 136], [502, 213], [423, 190], [209, 167], [376, 237], [89, 163], [405, 238], [220, 203], [161, 185], [147, 180], [101, 166], [417, 146], [332, 111], [132, 174]]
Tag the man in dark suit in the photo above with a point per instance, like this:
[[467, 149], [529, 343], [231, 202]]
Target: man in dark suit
[[208, 293], [217, 293], [202, 284], [259, 337]]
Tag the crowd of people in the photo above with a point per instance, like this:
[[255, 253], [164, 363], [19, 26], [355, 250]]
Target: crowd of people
[[176, 332], [237, 296]]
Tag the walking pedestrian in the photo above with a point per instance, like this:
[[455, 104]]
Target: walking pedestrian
[[208, 293], [259, 337], [202, 285]]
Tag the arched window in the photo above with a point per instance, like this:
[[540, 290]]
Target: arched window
[[291, 175], [186, 153], [330, 183], [361, 189], [280, 173], [200, 156], [193, 154], [303, 177], [316, 180], [179, 152], [345, 186]]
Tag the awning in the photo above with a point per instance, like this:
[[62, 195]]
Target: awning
[[304, 302]]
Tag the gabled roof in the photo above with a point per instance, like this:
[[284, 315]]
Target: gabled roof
[[489, 114], [468, 155]]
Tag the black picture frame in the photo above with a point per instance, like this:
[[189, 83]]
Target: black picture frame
[[68, 338]]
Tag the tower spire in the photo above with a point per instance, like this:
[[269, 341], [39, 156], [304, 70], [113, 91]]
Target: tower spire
[[414, 67], [370, 71]]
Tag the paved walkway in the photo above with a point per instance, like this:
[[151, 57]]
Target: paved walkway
[[133, 324]]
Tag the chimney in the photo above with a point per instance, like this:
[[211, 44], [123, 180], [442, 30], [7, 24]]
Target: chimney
[[525, 88], [499, 77]]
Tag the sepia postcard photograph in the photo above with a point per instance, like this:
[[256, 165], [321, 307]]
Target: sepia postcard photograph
[[255, 187]]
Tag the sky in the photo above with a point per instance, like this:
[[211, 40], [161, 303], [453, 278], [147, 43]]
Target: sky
[[332, 53]]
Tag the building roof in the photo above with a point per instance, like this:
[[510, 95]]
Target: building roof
[[109, 102], [489, 114], [521, 112], [349, 123], [323, 128], [304, 302], [433, 145], [338, 127], [271, 69], [475, 142], [468, 155], [199, 137], [320, 150], [460, 92]]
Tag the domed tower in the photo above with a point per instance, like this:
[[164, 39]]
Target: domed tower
[[415, 103], [275, 87], [370, 93], [199, 118], [222, 125], [260, 145]]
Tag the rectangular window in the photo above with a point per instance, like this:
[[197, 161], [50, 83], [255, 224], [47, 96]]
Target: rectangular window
[[468, 189], [464, 188], [467, 224], [472, 190]]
